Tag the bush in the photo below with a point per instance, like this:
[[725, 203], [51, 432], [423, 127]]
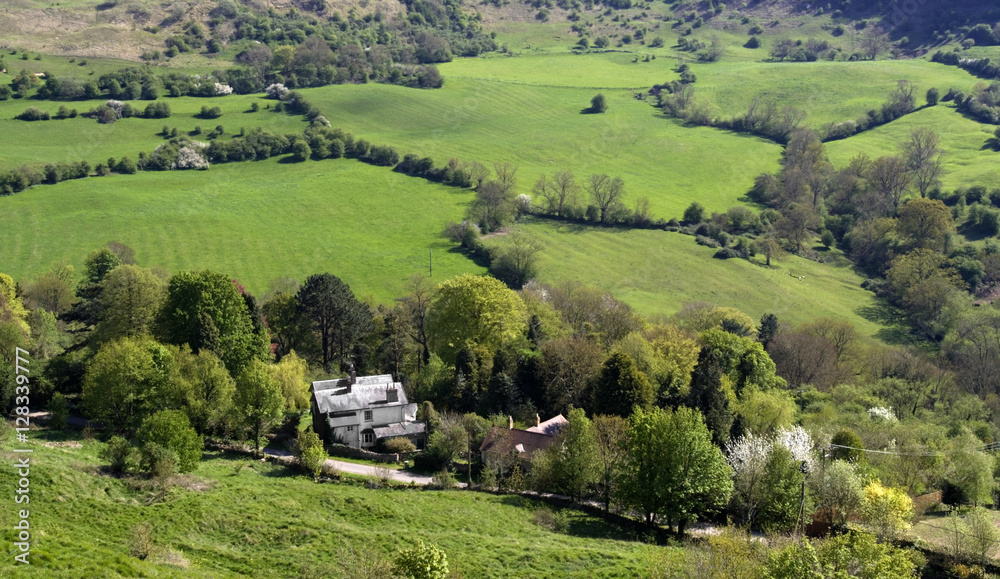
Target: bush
[[754, 42], [157, 110], [141, 545], [598, 104], [210, 112], [169, 432], [126, 166], [422, 561], [933, 95], [695, 213], [159, 461], [58, 411], [120, 454], [312, 455], [847, 437], [33, 114], [399, 444], [443, 480]]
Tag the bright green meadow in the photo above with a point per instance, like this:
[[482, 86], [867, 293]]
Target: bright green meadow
[[255, 221], [657, 272], [542, 130], [76, 139]]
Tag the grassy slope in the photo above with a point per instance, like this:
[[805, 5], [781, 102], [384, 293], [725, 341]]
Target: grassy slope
[[40, 142], [542, 130], [268, 518], [827, 91], [255, 221], [966, 162], [657, 272]]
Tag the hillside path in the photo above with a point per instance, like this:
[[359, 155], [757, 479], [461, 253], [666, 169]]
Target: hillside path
[[362, 469]]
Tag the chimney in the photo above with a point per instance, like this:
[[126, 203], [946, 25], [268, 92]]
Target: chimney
[[510, 423], [352, 373], [538, 420], [391, 395]]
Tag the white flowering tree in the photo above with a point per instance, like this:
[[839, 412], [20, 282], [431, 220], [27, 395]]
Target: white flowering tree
[[750, 457], [223, 89], [276, 90], [882, 414], [189, 157]]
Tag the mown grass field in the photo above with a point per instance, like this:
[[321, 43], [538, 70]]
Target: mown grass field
[[254, 221], [657, 272], [218, 522], [41, 142], [967, 159], [542, 130], [826, 91]]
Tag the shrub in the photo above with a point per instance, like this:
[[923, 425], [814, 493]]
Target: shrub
[[159, 461], [120, 454], [933, 95], [157, 110], [141, 544], [754, 42], [847, 437], [58, 411], [443, 480], [598, 104], [312, 455], [33, 114], [422, 561], [126, 166], [254, 107], [169, 431], [695, 213], [399, 444], [210, 112]]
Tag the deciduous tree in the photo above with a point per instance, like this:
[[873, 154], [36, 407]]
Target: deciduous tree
[[258, 400], [673, 471], [471, 311]]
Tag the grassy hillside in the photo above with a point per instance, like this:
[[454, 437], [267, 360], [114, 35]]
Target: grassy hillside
[[657, 272], [255, 221], [41, 142], [542, 130], [966, 159], [827, 91], [267, 520]]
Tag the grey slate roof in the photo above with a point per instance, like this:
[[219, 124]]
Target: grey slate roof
[[340, 398], [399, 429], [344, 382]]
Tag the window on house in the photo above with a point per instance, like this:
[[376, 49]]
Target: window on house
[[368, 415], [368, 437], [350, 429]]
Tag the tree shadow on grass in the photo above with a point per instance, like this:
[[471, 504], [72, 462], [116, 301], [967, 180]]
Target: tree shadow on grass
[[895, 329]]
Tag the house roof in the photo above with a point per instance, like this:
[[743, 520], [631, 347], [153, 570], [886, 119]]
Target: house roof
[[526, 442], [359, 396], [399, 429], [550, 426], [345, 382]]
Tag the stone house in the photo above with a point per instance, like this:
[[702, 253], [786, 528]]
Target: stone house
[[501, 443], [361, 410]]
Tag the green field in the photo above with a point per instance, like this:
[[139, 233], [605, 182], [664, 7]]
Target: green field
[[827, 91], [254, 221], [966, 161], [542, 130], [221, 524], [657, 272], [41, 142]]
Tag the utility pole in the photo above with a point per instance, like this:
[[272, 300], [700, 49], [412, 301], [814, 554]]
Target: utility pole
[[804, 469]]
